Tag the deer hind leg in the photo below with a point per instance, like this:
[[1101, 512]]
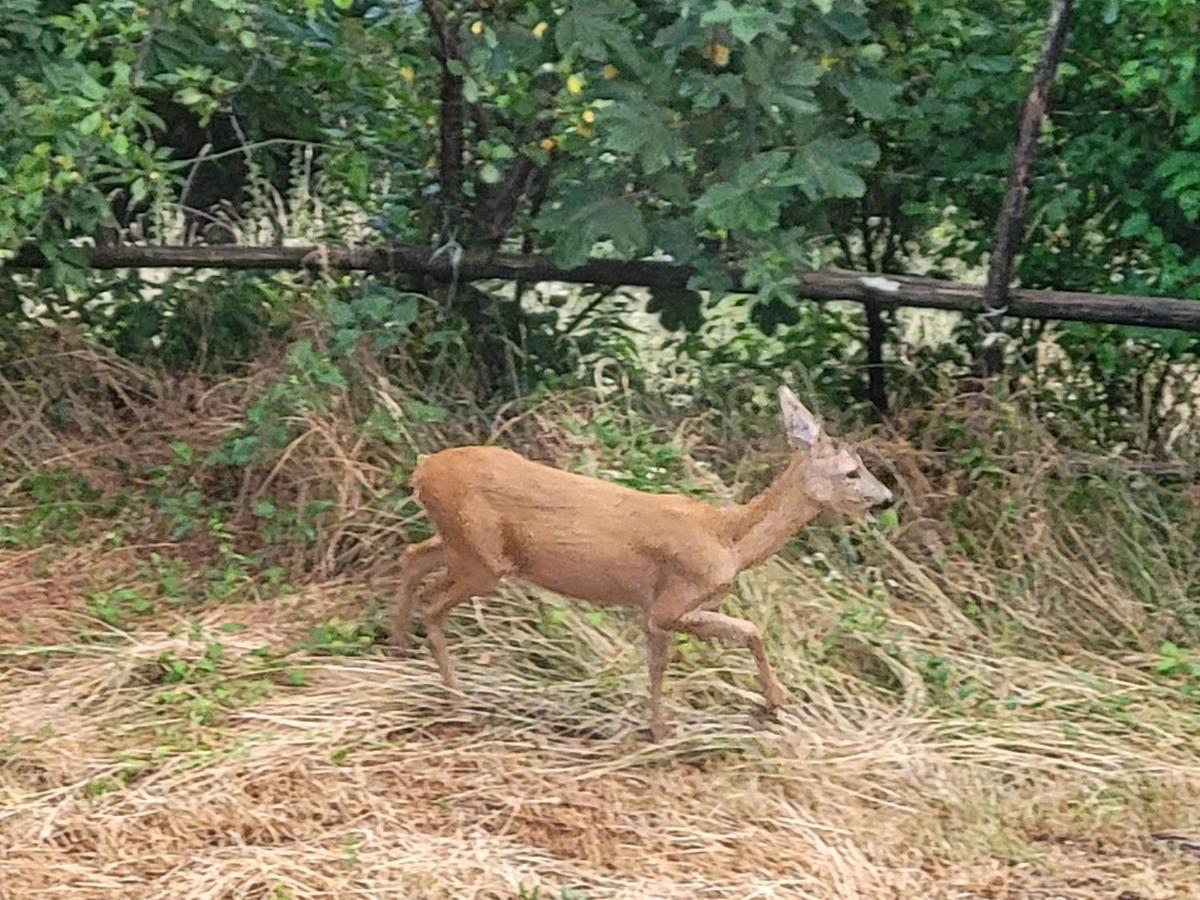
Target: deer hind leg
[[417, 561], [708, 624], [459, 584]]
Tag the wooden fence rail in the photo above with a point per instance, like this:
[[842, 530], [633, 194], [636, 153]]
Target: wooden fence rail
[[822, 285]]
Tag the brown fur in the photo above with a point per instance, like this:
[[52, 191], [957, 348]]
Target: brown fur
[[499, 515]]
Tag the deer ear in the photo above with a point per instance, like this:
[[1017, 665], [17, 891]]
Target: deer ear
[[803, 430]]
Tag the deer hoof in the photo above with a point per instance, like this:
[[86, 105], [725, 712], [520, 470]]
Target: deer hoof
[[398, 647], [776, 697], [660, 731]]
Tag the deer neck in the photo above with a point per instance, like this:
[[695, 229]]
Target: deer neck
[[762, 527]]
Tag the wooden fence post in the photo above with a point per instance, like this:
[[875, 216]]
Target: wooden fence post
[[876, 374], [1010, 222]]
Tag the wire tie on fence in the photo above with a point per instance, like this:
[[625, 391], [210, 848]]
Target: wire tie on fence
[[453, 251], [995, 312]]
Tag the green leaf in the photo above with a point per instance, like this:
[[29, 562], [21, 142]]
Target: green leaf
[[799, 72], [745, 22], [677, 238], [489, 174], [711, 276], [331, 377], [1185, 162], [873, 98], [1136, 225], [404, 313], [339, 312], [425, 412], [859, 150], [183, 452], [996, 65], [580, 225], [90, 123], [848, 23], [820, 177], [752, 199], [595, 30], [190, 96], [639, 128], [90, 87]]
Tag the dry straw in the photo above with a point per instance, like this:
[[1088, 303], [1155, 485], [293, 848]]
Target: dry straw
[[964, 724]]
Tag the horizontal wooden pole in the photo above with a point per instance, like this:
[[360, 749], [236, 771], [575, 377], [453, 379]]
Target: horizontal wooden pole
[[822, 285]]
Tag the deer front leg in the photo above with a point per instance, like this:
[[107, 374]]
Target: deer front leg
[[708, 624], [656, 640], [679, 599]]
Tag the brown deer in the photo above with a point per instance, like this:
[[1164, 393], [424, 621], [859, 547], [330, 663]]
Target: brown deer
[[499, 515]]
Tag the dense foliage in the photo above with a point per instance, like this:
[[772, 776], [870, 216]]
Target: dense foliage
[[778, 136]]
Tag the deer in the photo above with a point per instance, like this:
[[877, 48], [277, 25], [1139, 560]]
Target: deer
[[498, 516]]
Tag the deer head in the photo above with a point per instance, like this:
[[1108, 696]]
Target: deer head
[[832, 472]]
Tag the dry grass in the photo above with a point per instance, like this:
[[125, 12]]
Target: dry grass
[[976, 707], [368, 780]]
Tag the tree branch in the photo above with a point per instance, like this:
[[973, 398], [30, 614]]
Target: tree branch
[[448, 51], [495, 211]]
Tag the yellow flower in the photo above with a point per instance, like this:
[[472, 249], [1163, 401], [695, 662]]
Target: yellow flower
[[574, 84], [407, 73], [588, 116], [547, 144], [539, 29], [609, 72], [477, 27]]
